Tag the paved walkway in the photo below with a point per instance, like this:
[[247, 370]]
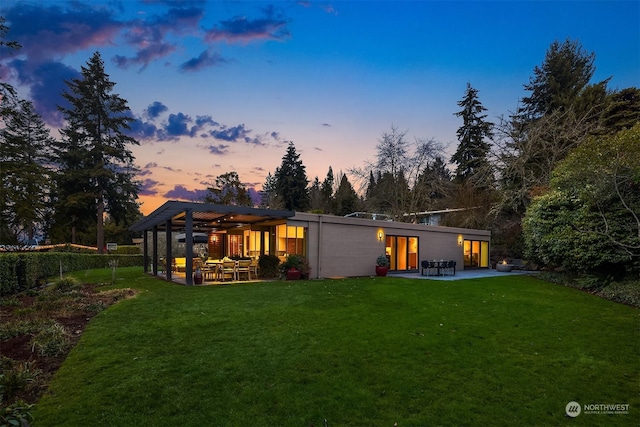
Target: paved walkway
[[462, 275]]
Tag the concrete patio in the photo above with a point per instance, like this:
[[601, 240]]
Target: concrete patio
[[464, 274]]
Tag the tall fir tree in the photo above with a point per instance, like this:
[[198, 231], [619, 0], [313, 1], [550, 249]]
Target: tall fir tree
[[96, 149], [291, 181], [346, 199], [25, 161], [557, 83], [473, 136], [560, 113], [327, 191]]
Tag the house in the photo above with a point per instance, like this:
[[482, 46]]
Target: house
[[335, 246]]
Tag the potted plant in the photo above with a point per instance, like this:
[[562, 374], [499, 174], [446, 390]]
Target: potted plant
[[382, 265], [291, 267]]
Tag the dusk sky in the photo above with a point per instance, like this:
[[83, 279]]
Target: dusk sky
[[223, 86]]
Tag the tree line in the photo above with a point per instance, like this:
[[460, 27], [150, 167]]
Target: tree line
[[560, 172], [77, 188]]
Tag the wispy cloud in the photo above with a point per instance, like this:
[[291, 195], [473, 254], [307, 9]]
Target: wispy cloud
[[46, 83], [182, 193], [50, 32], [150, 36], [148, 187], [46, 30], [272, 26], [205, 60], [219, 149]]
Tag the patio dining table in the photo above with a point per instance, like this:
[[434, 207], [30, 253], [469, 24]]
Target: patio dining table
[[440, 266]]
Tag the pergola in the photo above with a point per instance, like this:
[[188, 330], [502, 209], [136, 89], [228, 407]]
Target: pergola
[[188, 217]]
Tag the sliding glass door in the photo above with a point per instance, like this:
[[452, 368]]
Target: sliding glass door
[[476, 254], [402, 252]]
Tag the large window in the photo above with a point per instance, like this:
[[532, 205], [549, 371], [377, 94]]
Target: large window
[[402, 252], [257, 243], [290, 240], [235, 245]]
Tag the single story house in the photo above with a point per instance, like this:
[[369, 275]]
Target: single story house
[[334, 246]]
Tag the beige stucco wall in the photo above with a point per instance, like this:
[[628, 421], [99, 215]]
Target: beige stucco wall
[[339, 246]]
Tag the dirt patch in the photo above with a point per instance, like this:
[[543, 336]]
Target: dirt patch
[[39, 328]]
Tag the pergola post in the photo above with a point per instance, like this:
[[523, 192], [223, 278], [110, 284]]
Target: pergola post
[[154, 249], [169, 255], [145, 248], [188, 242]]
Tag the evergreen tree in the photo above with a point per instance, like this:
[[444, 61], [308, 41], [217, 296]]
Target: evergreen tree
[[346, 199], [557, 83], [316, 198], [73, 198], [95, 149], [622, 111], [557, 117], [291, 181], [8, 96], [26, 178], [327, 191], [473, 148], [228, 190], [268, 197]]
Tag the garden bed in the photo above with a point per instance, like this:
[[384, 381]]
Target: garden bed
[[38, 328]]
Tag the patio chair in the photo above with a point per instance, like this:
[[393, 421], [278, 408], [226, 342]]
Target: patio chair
[[450, 268], [424, 265], [429, 267], [253, 268], [229, 268], [243, 268]]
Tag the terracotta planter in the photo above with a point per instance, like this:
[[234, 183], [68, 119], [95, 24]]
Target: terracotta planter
[[293, 274], [197, 277], [381, 271]]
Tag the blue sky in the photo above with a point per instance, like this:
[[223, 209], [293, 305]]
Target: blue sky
[[222, 86]]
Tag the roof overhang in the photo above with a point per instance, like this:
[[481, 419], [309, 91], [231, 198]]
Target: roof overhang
[[207, 216]]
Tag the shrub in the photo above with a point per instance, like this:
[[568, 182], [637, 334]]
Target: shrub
[[15, 328], [25, 270], [298, 262], [16, 414], [67, 284], [268, 265], [52, 340], [382, 261], [17, 377]]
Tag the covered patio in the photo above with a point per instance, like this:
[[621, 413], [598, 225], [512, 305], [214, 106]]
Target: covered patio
[[201, 219]]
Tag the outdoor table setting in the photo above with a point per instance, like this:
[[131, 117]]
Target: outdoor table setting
[[440, 266]]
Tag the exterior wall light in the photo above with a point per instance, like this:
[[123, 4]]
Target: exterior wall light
[[380, 236], [460, 239]]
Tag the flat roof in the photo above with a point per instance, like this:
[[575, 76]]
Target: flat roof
[[207, 216]]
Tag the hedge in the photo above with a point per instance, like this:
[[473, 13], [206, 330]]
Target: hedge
[[21, 271]]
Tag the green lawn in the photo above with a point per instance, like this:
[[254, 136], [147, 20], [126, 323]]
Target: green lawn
[[355, 352]]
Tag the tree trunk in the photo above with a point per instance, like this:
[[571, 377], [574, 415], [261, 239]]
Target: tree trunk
[[100, 226]]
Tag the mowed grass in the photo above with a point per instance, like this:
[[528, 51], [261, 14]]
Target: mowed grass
[[507, 351]]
